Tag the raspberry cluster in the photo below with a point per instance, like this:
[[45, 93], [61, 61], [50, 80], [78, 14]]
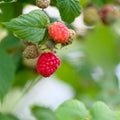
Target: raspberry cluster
[[46, 62], [42, 56], [108, 14]]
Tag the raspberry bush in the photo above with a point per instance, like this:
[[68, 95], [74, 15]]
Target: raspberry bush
[[79, 46]]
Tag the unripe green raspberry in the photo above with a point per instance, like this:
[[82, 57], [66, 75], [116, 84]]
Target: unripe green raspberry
[[72, 36], [30, 52], [30, 63], [43, 3], [90, 16]]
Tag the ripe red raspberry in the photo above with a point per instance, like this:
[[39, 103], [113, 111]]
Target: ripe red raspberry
[[47, 64], [58, 32]]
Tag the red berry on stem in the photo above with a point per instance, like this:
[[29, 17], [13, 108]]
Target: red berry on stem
[[47, 64], [109, 14], [58, 32]]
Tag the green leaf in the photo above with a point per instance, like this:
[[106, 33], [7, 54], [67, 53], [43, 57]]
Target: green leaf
[[100, 111], [69, 9], [28, 1], [7, 71], [7, 0], [42, 113], [23, 76], [69, 74], [101, 48], [7, 11], [53, 2], [72, 110], [31, 27], [17, 59], [9, 42], [83, 2], [7, 117]]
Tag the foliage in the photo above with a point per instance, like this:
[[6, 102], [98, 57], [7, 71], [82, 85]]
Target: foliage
[[30, 27], [92, 75], [76, 110]]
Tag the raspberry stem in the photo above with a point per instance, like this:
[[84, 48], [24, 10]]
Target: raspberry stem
[[27, 89]]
